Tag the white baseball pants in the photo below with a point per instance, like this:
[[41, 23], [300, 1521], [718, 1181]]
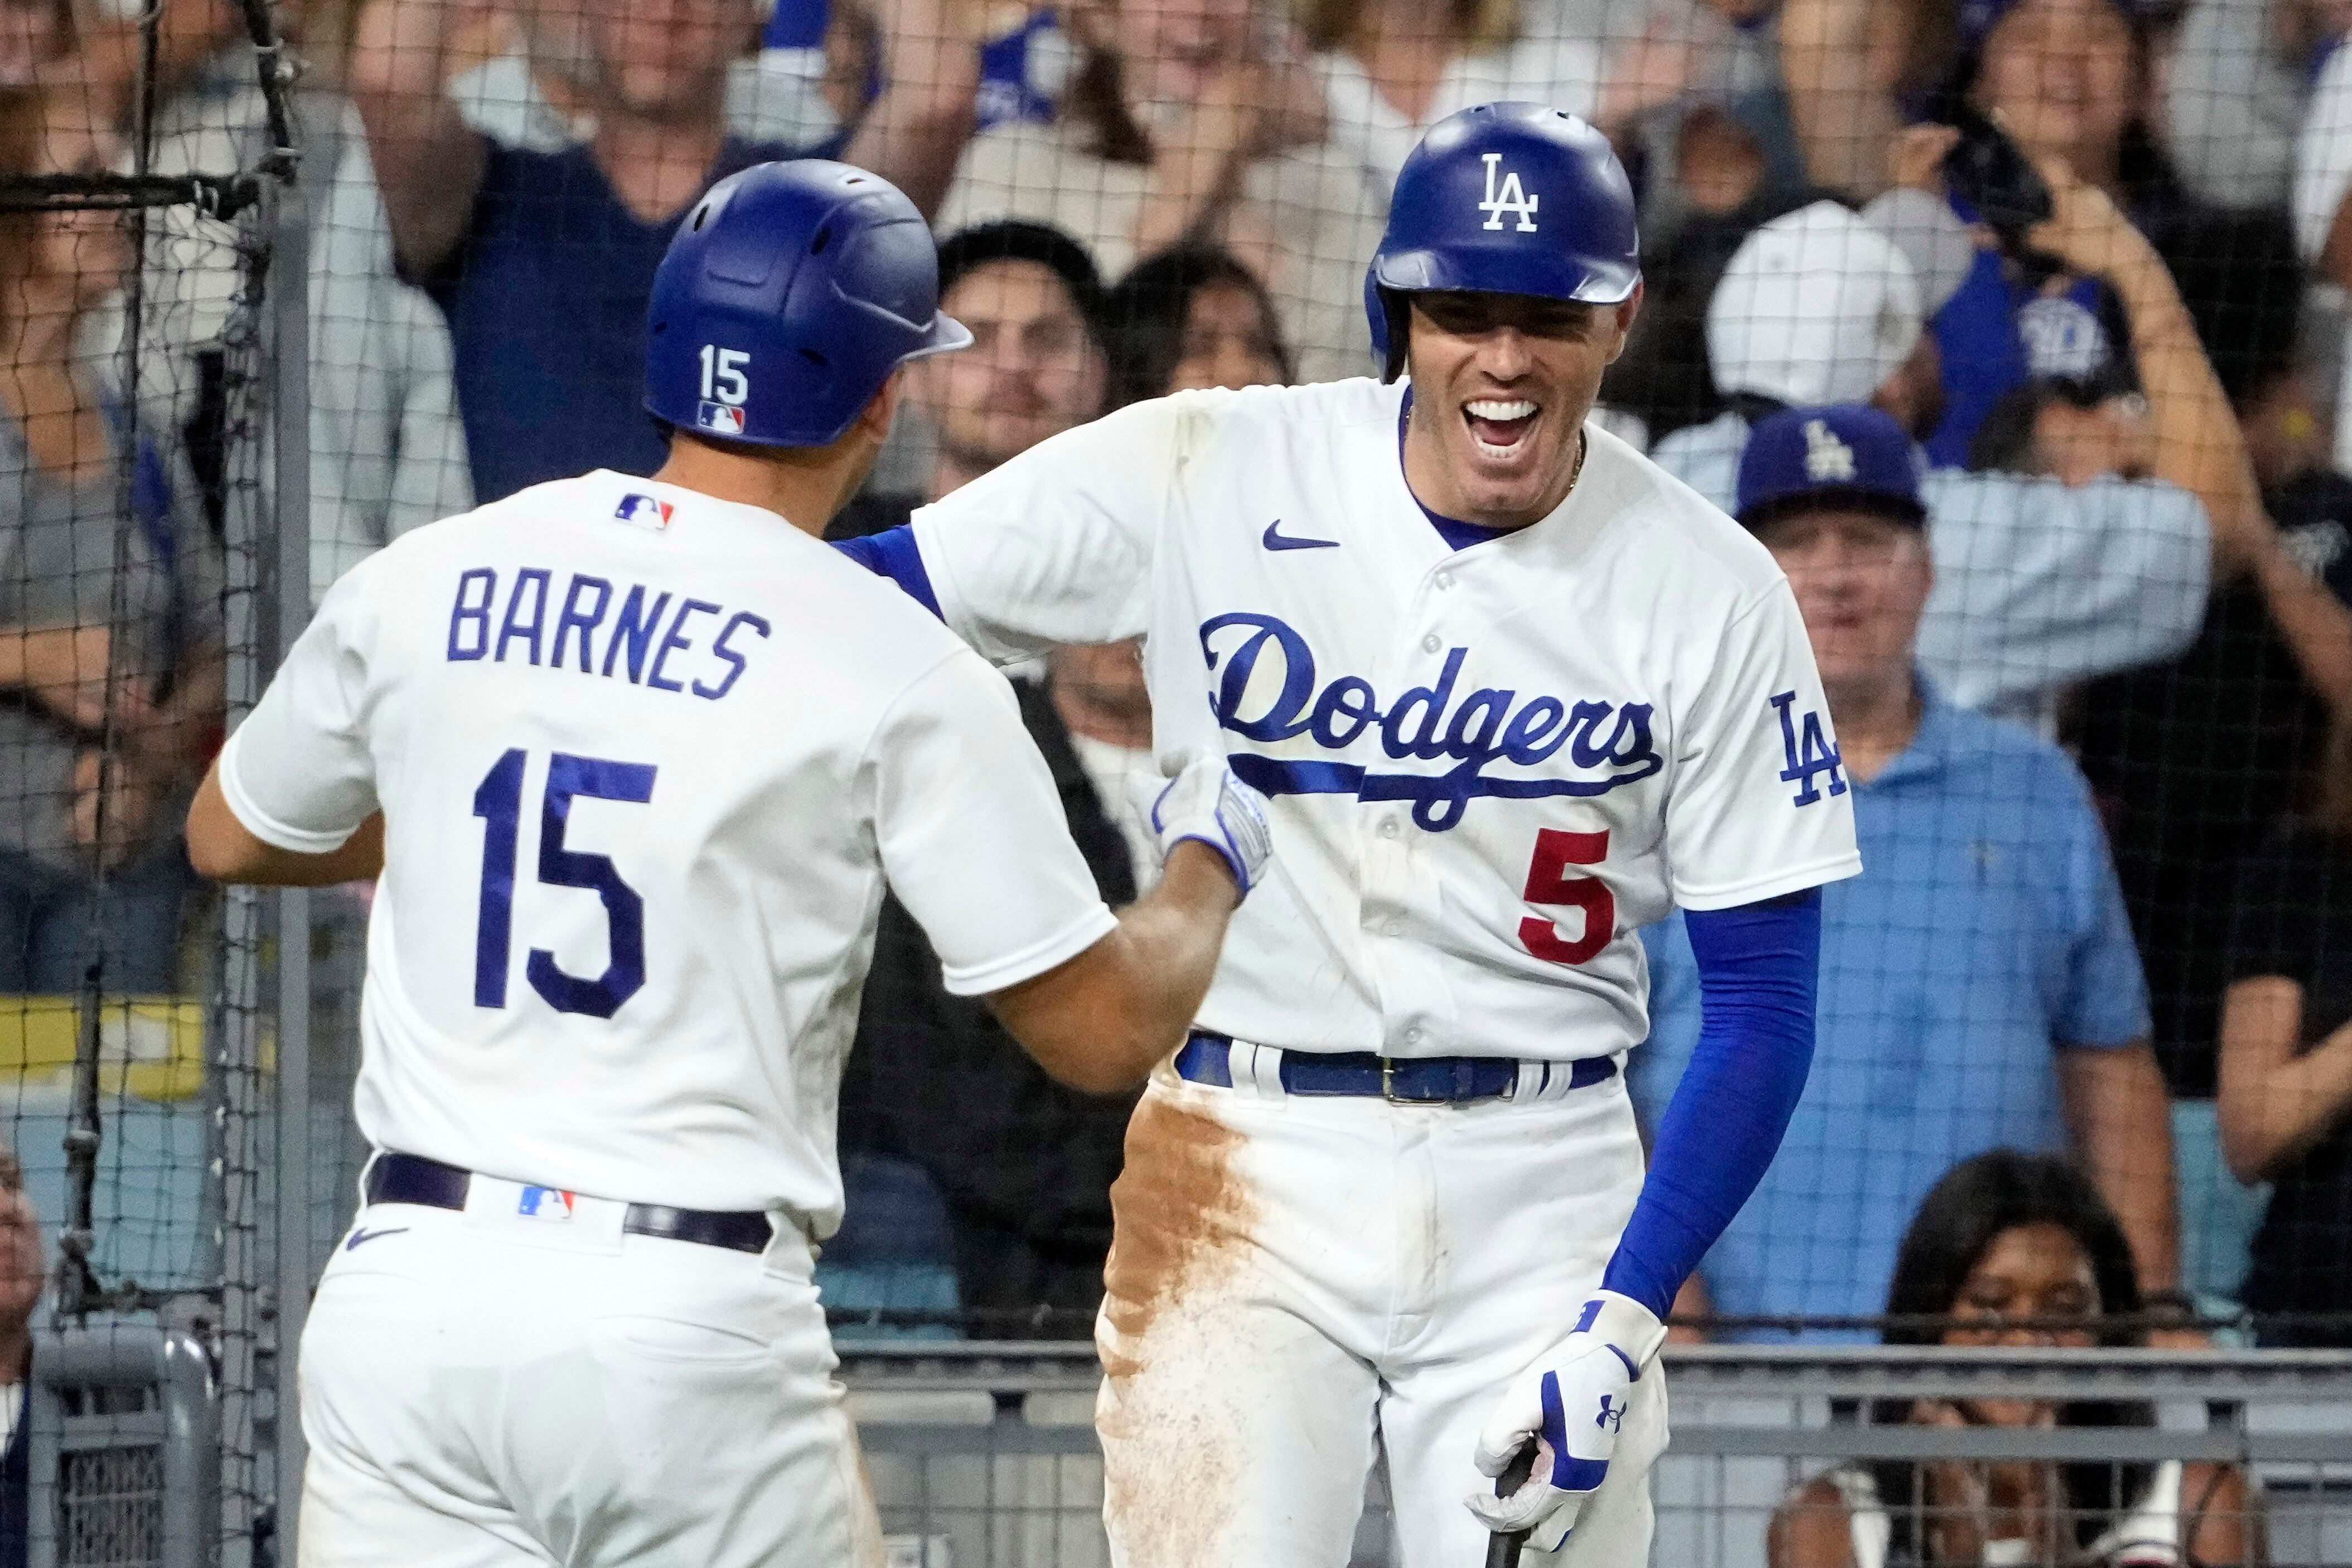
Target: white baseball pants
[[1300, 1285], [486, 1390]]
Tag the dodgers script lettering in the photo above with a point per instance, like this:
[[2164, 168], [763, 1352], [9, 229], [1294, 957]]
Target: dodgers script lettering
[[1479, 730]]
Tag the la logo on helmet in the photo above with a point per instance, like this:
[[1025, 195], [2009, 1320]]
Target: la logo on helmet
[[1512, 198]]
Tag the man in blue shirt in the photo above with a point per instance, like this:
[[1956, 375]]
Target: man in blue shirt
[[1979, 986], [543, 262]]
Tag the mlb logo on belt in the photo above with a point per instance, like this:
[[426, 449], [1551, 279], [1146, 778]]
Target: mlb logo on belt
[[645, 511], [544, 1203], [723, 417]]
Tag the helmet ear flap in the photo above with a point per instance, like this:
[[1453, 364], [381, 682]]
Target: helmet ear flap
[[1398, 307]]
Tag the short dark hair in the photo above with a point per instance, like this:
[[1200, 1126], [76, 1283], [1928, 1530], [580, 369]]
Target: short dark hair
[[1016, 239], [1144, 317]]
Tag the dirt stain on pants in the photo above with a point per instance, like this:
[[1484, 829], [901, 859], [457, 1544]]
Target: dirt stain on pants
[[1181, 1227]]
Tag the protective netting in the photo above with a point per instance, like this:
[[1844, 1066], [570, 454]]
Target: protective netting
[[2112, 327], [138, 534]]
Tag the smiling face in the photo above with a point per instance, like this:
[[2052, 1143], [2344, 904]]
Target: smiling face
[[1501, 384], [2063, 78], [1861, 581]]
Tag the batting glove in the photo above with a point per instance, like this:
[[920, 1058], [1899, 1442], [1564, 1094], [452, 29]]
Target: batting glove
[[1208, 803], [1571, 1403]]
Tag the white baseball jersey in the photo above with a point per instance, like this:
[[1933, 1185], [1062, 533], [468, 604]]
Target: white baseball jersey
[[1489, 766], [645, 759]]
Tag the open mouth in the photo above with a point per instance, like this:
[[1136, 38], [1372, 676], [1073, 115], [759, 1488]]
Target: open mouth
[[1499, 424]]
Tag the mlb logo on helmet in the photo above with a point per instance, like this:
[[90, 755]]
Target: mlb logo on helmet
[[544, 1203], [645, 511], [723, 417]]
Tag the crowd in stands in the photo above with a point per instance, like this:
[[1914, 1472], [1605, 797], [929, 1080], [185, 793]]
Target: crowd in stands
[[2013, 328]]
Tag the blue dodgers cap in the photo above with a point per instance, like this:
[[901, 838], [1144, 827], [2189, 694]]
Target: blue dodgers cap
[[1844, 454]]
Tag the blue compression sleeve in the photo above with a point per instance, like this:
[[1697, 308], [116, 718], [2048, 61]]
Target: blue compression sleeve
[[892, 553], [1757, 969]]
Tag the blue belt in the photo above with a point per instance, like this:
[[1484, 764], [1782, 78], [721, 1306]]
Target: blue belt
[[396, 1178], [1404, 1080]]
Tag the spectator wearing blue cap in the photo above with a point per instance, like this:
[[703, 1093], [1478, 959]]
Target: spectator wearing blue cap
[[1979, 986]]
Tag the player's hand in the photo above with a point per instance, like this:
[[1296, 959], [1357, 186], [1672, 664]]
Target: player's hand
[[1208, 803], [1571, 1403]]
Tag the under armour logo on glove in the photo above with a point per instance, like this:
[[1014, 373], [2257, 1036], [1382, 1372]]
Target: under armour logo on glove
[[1595, 1368]]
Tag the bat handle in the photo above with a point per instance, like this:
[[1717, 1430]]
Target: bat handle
[[1503, 1546]]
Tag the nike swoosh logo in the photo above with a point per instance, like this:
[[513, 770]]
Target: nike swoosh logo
[[359, 1236], [1277, 540]]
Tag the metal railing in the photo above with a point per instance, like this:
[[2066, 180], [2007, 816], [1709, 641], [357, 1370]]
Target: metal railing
[[123, 1448], [983, 1456]]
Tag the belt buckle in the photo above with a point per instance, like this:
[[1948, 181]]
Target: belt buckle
[[1388, 1086]]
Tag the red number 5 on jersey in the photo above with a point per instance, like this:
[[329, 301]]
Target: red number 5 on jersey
[[1550, 881]]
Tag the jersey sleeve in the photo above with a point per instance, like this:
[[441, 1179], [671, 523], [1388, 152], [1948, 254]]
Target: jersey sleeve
[[971, 834], [1760, 805], [1056, 545], [298, 773]]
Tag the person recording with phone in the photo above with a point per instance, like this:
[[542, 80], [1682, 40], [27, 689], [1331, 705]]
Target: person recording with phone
[[2046, 98]]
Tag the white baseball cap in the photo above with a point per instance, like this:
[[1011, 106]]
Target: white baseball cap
[[1816, 307]]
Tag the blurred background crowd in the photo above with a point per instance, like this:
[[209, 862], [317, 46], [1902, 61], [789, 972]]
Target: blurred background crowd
[[2063, 280]]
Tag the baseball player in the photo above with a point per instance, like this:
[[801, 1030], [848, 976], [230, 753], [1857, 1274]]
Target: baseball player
[[640, 754], [1515, 693]]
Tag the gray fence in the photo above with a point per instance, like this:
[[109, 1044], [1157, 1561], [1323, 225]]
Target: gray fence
[[982, 1455], [124, 1445]]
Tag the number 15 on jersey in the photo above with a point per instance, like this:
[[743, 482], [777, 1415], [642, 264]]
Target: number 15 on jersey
[[498, 802]]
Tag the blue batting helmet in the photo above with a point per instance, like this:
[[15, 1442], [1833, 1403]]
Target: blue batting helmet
[[789, 295], [1504, 198]]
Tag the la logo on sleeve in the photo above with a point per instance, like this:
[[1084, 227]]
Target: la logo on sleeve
[[1805, 752]]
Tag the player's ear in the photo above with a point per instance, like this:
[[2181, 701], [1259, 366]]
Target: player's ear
[[1625, 314], [874, 424]]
